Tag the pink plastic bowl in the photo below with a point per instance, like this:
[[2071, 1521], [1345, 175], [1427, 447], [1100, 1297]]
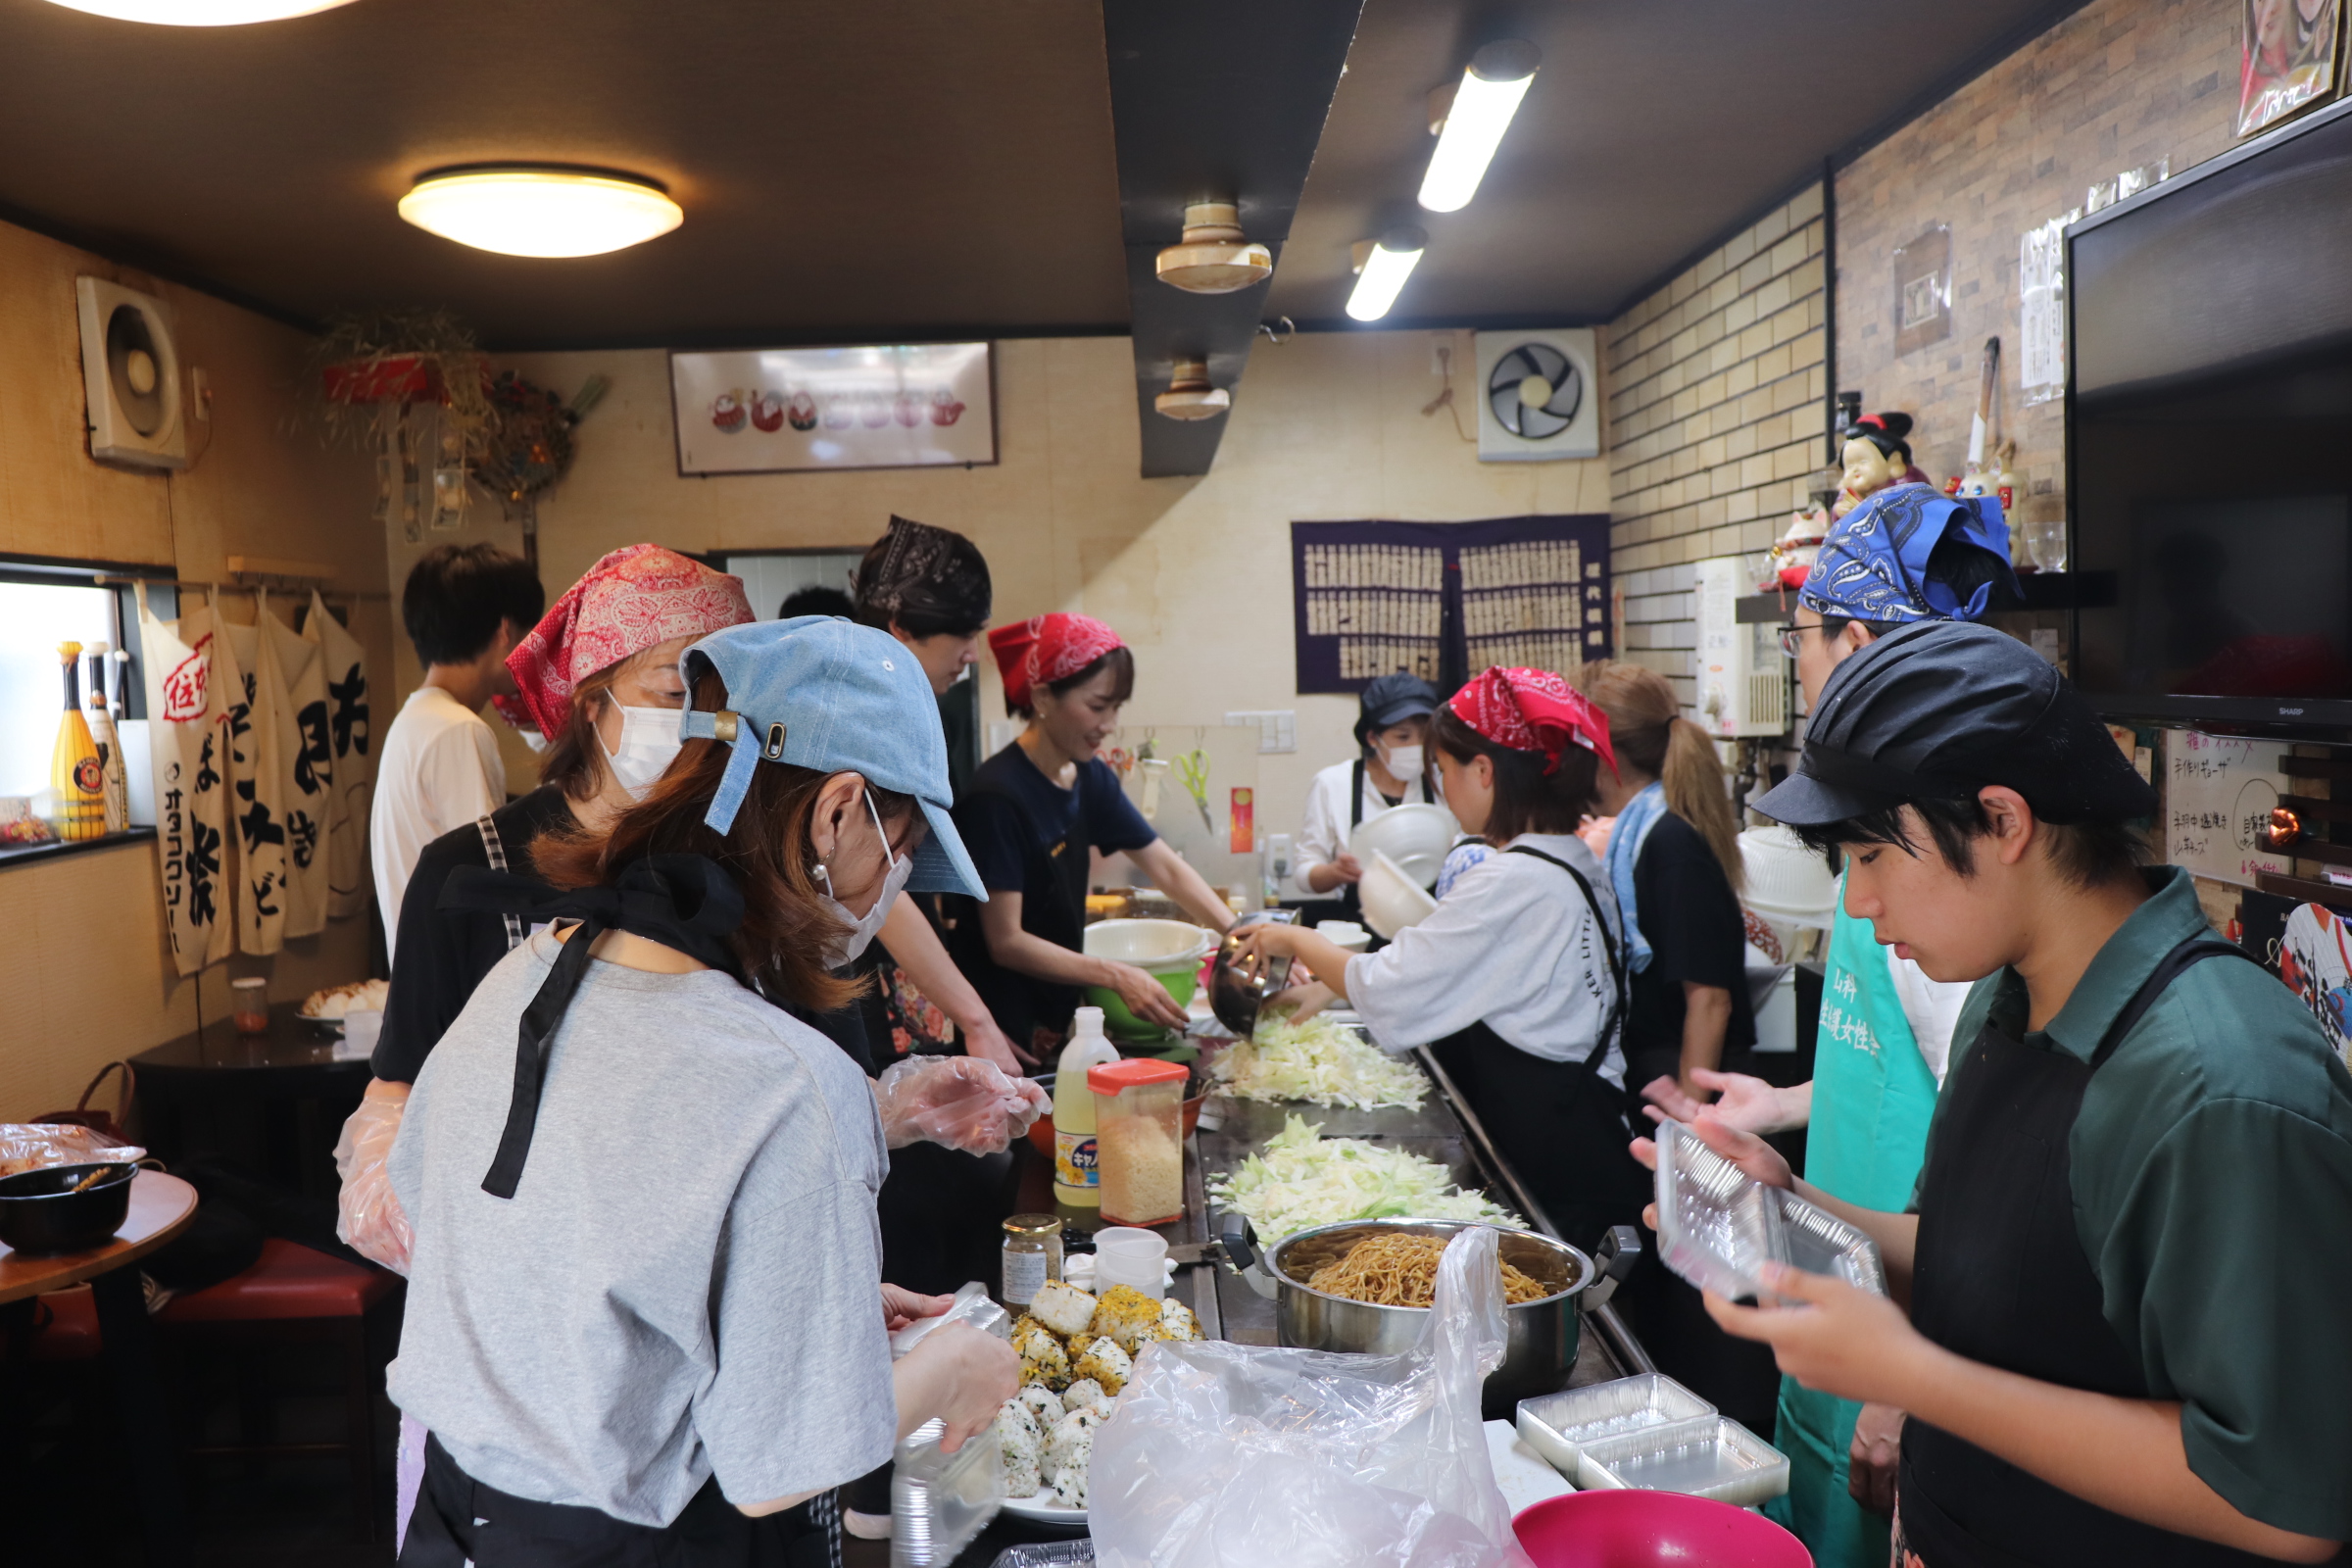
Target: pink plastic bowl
[[1637, 1529]]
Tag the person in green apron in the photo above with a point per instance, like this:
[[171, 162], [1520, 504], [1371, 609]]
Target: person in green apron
[[1904, 556], [2118, 1307], [1034, 814]]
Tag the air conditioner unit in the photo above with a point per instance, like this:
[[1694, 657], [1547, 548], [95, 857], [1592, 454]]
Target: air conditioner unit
[[1742, 679], [131, 377], [1539, 396]]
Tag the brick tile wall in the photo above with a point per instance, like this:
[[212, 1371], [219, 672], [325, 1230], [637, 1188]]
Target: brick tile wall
[[2121, 84], [1716, 413]]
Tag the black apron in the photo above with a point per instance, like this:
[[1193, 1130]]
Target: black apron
[[2000, 1277], [1035, 1013], [460, 1521], [1560, 1124]]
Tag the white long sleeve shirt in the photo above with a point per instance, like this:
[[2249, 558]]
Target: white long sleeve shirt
[[1512, 945], [1324, 832]]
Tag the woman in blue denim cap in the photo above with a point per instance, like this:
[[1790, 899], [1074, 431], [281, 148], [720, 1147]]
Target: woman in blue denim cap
[[645, 1314]]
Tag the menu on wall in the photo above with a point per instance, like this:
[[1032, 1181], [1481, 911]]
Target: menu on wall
[[2217, 791]]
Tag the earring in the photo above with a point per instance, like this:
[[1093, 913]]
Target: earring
[[825, 875]]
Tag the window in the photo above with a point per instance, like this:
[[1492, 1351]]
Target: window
[[34, 618]]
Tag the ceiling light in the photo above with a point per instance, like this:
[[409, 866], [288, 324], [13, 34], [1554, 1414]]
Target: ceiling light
[[1189, 396], [1481, 111], [201, 13], [1382, 271], [540, 209], [1213, 258]]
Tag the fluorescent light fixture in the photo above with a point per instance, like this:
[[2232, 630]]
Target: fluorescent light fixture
[[1386, 267], [540, 209], [201, 13], [1482, 110]]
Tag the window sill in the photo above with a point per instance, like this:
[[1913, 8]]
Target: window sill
[[12, 855]]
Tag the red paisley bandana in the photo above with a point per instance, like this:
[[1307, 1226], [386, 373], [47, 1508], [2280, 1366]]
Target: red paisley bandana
[[1533, 711], [629, 601], [1045, 649]]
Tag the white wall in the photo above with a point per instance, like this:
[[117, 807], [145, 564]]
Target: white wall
[[1193, 572]]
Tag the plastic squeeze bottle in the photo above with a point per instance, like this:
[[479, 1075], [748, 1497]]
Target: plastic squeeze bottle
[[1077, 1178]]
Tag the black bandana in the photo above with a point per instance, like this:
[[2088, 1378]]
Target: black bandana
[[685, 902], [927, 571]]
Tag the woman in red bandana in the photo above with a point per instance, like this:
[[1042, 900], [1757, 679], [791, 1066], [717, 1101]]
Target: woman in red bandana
[[1515, 980], [1032, 815]]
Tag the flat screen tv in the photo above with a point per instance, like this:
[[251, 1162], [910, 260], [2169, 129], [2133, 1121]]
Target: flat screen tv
[[2209, 451]]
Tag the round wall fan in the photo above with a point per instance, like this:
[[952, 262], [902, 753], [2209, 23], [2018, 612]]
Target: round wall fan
[[1535, 391]]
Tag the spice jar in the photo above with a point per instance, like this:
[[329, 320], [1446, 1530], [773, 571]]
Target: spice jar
[[249, 1004], [1139, 1140], [1032, 1256]]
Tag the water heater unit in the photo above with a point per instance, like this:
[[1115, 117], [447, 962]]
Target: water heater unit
[[1743, 679]]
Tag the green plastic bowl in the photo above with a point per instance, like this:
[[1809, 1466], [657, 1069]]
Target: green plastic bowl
[[1118, 1022]]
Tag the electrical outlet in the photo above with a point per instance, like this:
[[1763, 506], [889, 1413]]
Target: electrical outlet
[[1277, 730]]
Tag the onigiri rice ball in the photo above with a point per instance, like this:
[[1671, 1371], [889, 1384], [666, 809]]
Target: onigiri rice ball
[[1069, 1485], [1086, 1394], [1021, 1478], [1072, 1440], [1043, 1406], [1018, 1423]]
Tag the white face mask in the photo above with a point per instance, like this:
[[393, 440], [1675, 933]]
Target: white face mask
[[852, 943], [649, 744], [1404, 763]]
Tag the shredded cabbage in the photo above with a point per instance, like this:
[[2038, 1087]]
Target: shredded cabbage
[[1322, 1062], [1300, 1180]]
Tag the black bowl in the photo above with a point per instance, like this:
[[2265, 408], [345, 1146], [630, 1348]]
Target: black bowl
[[40, 1212]]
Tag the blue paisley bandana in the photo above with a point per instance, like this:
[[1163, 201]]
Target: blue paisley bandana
[[1873, 564]]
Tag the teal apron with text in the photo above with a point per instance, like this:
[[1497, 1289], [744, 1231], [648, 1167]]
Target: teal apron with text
[[1872, 1095]]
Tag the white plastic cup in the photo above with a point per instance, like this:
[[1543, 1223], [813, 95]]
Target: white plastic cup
[[361, 1030], [1126, 1256]]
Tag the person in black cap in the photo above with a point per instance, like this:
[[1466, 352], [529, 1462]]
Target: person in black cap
[[1391, 769], [2117, 1350]]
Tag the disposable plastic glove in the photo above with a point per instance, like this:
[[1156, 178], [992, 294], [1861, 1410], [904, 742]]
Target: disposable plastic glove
[[368, 1216], [962, 1102]]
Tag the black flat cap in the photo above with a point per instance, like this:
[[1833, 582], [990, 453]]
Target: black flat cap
[[1392, 700], [1942, 709]]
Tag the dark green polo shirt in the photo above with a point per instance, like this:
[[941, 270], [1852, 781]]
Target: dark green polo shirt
[[2212, 1196]]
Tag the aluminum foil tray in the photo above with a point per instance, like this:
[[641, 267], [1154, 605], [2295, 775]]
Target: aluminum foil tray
[[1718, 1228], [1559, 1426], [1718, 1458]]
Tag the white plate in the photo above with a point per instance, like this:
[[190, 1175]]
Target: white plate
[[1044, 1510]]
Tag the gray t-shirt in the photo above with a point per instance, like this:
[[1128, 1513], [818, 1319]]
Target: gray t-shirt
[[686, 1280]]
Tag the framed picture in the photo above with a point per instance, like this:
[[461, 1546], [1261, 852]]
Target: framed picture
[[2286, 58], [781, 410], [1922, 290]]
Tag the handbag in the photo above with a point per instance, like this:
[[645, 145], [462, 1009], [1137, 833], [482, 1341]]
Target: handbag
[[105, 1123]]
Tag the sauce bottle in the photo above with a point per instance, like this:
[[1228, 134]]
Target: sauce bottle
[[1077, 1177]]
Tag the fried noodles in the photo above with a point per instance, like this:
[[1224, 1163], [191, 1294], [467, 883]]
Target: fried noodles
[[1402, 1271]]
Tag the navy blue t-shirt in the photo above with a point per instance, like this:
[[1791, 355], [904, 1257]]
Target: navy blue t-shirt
[[999, 834]]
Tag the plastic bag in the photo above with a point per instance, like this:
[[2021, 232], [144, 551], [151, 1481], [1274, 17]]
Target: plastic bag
[[36, 1146], [1226, 1456], [368, 1216], [971, 1305], [964, 1102]]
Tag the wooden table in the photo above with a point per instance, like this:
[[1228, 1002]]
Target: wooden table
[[267, 1106], [161, 1208]]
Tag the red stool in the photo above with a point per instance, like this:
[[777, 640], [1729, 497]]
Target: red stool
[[67, 1326], [291, 1293]]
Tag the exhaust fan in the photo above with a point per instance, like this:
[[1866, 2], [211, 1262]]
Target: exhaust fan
[[1537, 396], [131, 377]]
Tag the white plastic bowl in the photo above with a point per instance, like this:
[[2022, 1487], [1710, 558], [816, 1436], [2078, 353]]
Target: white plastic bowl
[[1785, 881], [1343, 934], [1415, 837], [1391, 900], [1157, 947]]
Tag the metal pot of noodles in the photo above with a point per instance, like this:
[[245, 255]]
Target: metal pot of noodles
[[1332, 1315]]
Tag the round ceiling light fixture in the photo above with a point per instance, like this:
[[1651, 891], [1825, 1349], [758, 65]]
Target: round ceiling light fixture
[[201, 13], [1189, 396], [1213, 258], [540, 209]]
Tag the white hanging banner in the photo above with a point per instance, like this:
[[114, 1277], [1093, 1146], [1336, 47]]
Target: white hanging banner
[[343, 662], [293, 670], [187, 727], [257, 806]]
